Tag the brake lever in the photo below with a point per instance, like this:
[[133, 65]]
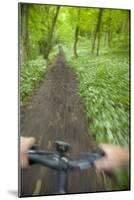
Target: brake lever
[[86, 160], [35, 149], [99, 151], [97, 154]]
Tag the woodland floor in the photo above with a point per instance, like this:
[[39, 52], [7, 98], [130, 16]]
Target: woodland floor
[[56, 112]]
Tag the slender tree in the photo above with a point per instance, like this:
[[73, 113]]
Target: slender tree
[[25, 34], [125, 23], [77, 29], [76, 40], [109, 32], [97, 32], [50, 34]]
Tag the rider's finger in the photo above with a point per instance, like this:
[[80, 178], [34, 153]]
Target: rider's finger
[[32, 141], [108, 148], [103, 164], [29, 142]]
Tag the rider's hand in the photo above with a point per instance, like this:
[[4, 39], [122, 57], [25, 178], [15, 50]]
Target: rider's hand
[[115, 157], [25, 144]]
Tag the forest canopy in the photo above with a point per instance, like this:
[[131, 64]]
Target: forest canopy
[[43, 26]]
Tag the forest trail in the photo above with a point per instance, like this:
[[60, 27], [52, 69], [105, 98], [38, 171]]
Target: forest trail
[[57, 113]]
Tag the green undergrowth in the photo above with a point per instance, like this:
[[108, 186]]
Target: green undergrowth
[[31, 74], [104, 89]]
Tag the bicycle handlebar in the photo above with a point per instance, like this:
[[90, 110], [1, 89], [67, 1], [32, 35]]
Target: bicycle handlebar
[[34, 157], [59, 160], [62, 163]]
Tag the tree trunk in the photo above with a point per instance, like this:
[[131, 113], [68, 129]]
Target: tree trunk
[[50, 36], [94, 39], [98, 45], [105, 38], [97, 31], [76, 34], [125, 23], [109, 37], [76, 41], [109, 33], [25, 35]]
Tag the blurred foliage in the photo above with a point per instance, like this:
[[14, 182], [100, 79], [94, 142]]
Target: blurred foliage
[[103, 79], [31, 74], [104, 88], [114, 27]]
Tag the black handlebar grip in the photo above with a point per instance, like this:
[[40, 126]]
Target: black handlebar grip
[[33, 149], [99, 151], [31, 162]]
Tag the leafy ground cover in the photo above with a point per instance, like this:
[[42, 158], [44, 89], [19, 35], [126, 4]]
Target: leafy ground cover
[[31, 74], [104, 88]]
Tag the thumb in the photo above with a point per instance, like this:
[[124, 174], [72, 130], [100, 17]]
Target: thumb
[[101, 164], [30, 142]]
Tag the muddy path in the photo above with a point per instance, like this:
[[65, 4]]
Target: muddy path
[[57, 113]]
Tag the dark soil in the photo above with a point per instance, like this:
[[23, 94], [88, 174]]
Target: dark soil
[[57, 113]]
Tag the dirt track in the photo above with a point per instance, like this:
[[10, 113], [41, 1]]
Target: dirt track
[[57, 113]]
